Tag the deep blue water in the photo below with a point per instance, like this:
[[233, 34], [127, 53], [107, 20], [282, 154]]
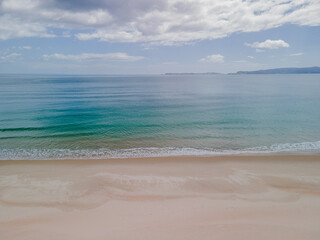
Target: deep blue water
[[122, 116]]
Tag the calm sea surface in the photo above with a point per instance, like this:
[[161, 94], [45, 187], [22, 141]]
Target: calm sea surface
[[49, 117]]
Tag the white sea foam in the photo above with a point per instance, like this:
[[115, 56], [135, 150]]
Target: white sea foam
[[304, 146], [16, 154], [47, 154]]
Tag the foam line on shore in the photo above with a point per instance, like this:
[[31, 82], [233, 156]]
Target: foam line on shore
[[103, 153]]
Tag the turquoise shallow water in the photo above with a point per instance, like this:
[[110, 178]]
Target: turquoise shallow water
[[48, 117]]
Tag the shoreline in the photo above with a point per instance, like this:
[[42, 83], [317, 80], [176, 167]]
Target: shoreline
[[228, 197], [278, 156], [227, 155]]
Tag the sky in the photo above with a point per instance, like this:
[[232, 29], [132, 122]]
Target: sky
[[157, 36]]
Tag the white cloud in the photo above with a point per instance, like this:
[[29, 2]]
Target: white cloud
[[94, 56], [215, 58], [162, 22], [22, 47], [9, 57], [240, 61], [269, 44], [26, 47], [251, 57], [296, 54]]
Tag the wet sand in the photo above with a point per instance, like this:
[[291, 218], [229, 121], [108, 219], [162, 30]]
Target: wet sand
[[226, 197]]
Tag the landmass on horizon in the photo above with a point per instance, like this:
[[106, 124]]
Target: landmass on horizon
[[289, 70]]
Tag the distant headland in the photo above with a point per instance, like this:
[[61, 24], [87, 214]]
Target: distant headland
[[291, 70]]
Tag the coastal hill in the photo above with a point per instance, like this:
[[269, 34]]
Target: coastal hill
[[283, 71], [292, 70]]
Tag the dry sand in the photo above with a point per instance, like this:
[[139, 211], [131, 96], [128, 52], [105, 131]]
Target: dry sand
[[231, 197]]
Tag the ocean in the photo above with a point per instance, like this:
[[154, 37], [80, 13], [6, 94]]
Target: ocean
[[80, 117]]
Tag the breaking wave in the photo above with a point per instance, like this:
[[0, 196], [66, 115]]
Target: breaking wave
[[47, 154]]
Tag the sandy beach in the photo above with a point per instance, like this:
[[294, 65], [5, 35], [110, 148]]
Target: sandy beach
[[226, 197]]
